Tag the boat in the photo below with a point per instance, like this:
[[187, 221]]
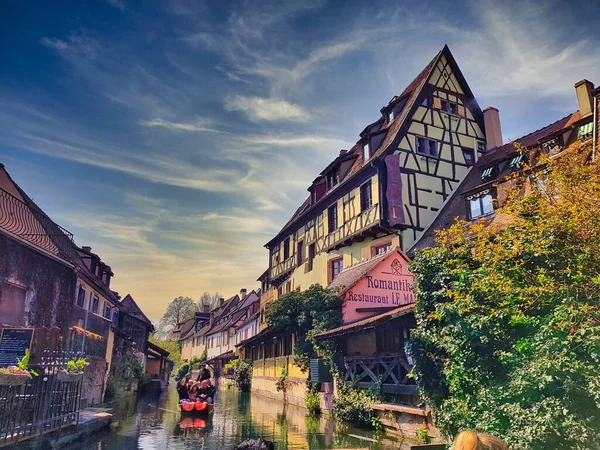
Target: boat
[[195, 408]]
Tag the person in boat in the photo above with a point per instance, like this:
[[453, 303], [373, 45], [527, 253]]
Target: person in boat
[[182, 387], [204, 373], [207, 391], [255, 444], [193, 393]]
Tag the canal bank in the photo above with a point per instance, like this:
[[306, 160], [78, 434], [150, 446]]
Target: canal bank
[[155, 423]]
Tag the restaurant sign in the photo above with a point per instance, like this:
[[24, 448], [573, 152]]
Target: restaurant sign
[[388, 285]]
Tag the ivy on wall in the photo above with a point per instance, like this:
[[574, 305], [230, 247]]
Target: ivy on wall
[[52, 283]]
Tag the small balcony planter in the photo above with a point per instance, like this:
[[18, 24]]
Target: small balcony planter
[[13, 377], [68, 377]]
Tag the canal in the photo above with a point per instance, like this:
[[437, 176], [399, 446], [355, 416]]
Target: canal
[[153, 423]]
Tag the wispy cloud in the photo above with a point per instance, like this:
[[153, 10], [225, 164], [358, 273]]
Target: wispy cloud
[[117, 4], [197, 126], [270, 109]]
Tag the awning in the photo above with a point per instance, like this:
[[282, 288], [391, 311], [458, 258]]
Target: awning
[[227, 355], [365, 324], [263, 334], [159, 351]]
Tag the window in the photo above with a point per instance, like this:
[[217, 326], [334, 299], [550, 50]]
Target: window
[[516, 161], [115, 318], [366, 151], [585, 131], [288, 287], [453, 108], [425, 102], [469, 156], [337, 265], [427, 147], [444, 105], [366, 196], [481, 147], [95, 304], [332, 218], [81, 294], [311, 256], [348, 208], [286, 249], [552, 146], [333, 178], [300, 246], [280, 291], [384, 248], [487, 172], [106, 311], [12, 305], [480, 204]]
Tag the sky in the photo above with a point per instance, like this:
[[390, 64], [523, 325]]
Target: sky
[[177, 137]]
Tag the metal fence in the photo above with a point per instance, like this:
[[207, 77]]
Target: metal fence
[[47, 402]]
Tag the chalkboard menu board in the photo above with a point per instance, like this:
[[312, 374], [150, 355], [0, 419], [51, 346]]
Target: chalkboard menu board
[[13, 343]]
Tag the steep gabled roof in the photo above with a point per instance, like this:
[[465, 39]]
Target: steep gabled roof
[[392, 130], [129, 305]]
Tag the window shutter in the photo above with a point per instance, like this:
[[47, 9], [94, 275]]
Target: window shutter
[[437, 103]]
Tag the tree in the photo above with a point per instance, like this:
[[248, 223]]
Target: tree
[[179, 310], [507, 338], [210, 300], [305, 314]]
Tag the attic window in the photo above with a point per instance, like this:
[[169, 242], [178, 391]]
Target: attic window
[[516, 161], [480, 204], [444, 105], [453, 108], [366, 152], [481, 146], [333, 178], [552, 146], [487, 172], [585, 131]]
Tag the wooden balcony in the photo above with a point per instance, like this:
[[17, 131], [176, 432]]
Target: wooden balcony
[[354, 229], [281, 269], [392, 370]]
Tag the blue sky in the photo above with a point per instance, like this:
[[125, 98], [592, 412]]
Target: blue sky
[[177, 137]]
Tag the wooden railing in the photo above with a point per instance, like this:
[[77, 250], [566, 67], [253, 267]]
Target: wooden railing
[[353, 226], [284, 266], [391, 370]]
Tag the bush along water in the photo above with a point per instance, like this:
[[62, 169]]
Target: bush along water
[[355, 406], [242, 374]]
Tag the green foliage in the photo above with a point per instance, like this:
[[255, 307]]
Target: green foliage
[[508, 336], [229, 385], [355, 406], [305, 314], [313, 402], [423, 435], [112, 387], [23, 363], [280, 384], [242, 374], [76, 366], [183, 370], [195, 361]]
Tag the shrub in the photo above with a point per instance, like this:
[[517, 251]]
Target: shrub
[[355, 406], [242, 374], [182, 371], [282, 379], [111, 389], [423, 436], [313, 402]]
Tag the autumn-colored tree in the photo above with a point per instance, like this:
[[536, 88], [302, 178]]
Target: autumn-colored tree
[[508, 338]]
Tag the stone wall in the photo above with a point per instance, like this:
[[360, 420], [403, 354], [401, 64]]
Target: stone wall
[[94, 376]]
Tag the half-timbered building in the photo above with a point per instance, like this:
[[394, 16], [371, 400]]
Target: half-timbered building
[[384, 191]]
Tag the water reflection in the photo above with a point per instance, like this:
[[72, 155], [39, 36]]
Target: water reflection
[[155, 423]]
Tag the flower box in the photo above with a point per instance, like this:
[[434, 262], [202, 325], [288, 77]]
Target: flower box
[[68, 377], [13, 379]]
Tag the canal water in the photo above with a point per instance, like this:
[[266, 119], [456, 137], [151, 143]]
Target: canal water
[[153, 423]]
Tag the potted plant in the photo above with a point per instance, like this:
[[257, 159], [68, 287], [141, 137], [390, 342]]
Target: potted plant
[[17, 375], [72, 371]]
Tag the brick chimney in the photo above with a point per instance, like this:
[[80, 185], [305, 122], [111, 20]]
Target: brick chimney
[[493, 131], [584, 89], [243, 293]]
